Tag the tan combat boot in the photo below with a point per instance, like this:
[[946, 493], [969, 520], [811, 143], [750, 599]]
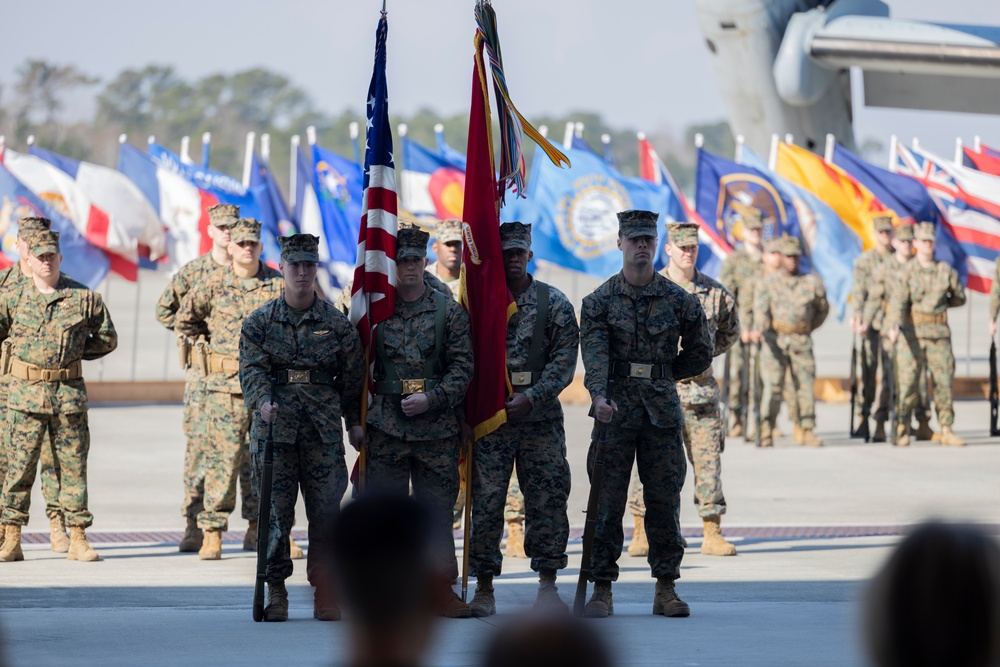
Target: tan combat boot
[[879, 435], [58, 540], [211, 546], [79, 548], [295, 551], [736, 430], [548, 594], [451, 606], [797, 434], [666, 602], [276, 610], [11, 550], [515, 540], [483, 602], [639, 546], [250, 539], [924, 430], [902, 435], [766, 437], [949, 439], [714, 544], [809, 438], [600, 604], [192, 539]]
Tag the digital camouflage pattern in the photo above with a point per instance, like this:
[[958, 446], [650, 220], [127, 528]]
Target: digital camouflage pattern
[[216, 309], [536, 443], [308, 439], [867, 267], [659, 323], [51, 331], [344, 300], [925, 293], [740, 272], [704, 432], [13, 282], [789, 301], [995, 292], [193, 273]]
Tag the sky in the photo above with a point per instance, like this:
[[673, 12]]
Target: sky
[[639, 63]]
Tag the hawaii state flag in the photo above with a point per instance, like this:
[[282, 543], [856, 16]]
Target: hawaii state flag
[[432, 185], [986, 160]]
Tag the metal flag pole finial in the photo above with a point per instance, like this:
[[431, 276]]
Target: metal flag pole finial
[[383, 8]]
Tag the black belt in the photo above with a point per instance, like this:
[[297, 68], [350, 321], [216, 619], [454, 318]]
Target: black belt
[[405, 387], [294, 376], [629, 369]]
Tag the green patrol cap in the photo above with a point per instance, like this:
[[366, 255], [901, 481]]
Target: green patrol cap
[[790, 246], [683, 234], [223, 215], [299, 248], [42, 243], [31, 225], [245, 229], [772, 244], [751, 216], [635, 222], [924, 231], [883, 222], [904, 232], [411, 242], [515, 236], [447, 231]]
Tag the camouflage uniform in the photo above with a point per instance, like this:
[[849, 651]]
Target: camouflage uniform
[[535, 442], [344, 300], [425, 448], [995, 293], [704, 433], [308, 440], [216, 309], [194, 273], [866, 267], [919, 306], [49, 332], [787, 309], [621, 326]]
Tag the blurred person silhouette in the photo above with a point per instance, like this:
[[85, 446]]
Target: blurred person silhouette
[[547, 640], [936, 602], [387, 578]]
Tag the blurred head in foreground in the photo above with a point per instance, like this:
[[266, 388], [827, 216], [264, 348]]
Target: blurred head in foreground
[[555, 640], [936, 602], [385, 577]]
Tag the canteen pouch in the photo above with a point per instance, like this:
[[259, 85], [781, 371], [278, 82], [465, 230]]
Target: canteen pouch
[[184, 351], [201, 353], [5, 355]]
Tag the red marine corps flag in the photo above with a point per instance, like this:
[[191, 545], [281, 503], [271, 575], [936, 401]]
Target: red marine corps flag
[[484, 288]]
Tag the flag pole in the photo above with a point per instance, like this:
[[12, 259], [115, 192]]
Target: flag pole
[[958, 151], [738, 155], [402, 129], [915, 143], [206, 148], [977, 144], [699, 140], [248, 158], [893, 147], [772, 155], [150, 140], [31, 141], [568, 135], [789, 138], [831, 141], [353, 130], [293, 171], [265, 148], [186, 150], [578, 130], [543, 130]]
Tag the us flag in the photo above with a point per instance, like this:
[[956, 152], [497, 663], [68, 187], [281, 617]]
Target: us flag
[[373, 296]]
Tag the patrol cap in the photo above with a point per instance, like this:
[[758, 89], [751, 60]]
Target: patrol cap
[[449, 230], [772, 244], [883, 222], [924, 231], [904, 232], [299, 248], [683, 234], [245, 229], [635, 222], [31, 225], [411, 242], [790, 246], [41, 243], [223, 215], [752, 217], [515, 236]]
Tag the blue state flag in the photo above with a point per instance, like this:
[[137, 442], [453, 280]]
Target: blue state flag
[[449, 154], [832, 245], [275, 219]]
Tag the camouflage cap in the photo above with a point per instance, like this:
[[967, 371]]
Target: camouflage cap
[[752, 217], [904, 232], [245, 229], [683, 234], [635, 222], [924, 231], [32, 225], [515, 235], [772, 244], [883, 222], [411, 242], [447, 231], [790, 246], [223, 215], [299, 248], [41, 243]]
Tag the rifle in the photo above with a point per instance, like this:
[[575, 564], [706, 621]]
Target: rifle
[[725, 392], [994, 398], [590, 527], [467, 524], [264, 520], [757, 391], [889, 377], [745, 389], [854, 381], [867, 397]]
